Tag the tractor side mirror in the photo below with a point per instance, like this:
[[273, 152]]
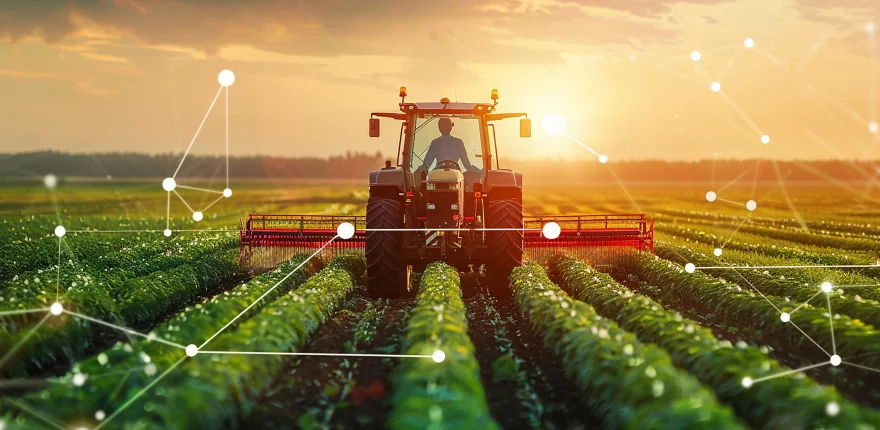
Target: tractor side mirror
[[525, 127], [374, 127]]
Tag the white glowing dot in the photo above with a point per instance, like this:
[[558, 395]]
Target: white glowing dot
[[551, 230], [100, 415], [749, 43], [832, 409], [50, 181], [79, 379], [226, 77], [438, 356], [60, 230], [554, 124], [751, 205], [835, 360], [711, 196], [81, 428], [715, 86], [826, 287], [169, 184], [695, 55], [192, 350], [227, 193], [717, 252], [167, 232], [56, 309], [198, 216], [690, 268], [872, 127], [747, 382], [603, 158], [345, 230], [150, 369], [765, 139], [785, 317]]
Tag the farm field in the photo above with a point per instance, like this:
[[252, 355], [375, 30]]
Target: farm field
[[634, 342]]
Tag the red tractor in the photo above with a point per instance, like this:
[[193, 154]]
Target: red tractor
[[446, 198]]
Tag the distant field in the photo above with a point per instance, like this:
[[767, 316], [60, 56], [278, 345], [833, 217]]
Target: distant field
[[645, 345]]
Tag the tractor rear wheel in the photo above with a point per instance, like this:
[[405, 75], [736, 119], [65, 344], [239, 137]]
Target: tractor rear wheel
[[505, 246], [386, 271]]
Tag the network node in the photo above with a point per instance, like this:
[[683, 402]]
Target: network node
[[79, 379], [60, 231], [50, 181], [690, 268], [553, 124], [711, 196], [438, 356], [150, 369], [826, 287], [835, 360], [56, 309], [192, 350], [785, 317], [872, 127], [603, 158], [167, 232], [751, 205], [695, 55], [747, 382], [345, 230], [715, 86], [832, 409], [717, 252], [226, 77], [765, 139], [551, 230], [169, 184], [227, 193], [749, 43], [197, 216], [100, 415]]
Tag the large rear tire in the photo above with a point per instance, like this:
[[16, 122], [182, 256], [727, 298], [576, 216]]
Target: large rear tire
[[386, 270], [505, 246]]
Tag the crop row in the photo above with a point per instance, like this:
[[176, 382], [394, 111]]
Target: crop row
[[728, 303], [855, 302], [823, 226], [132, 303], [445, 395], [749, 242], [626, 383], [777, 403], [40, 289], [142, 363]]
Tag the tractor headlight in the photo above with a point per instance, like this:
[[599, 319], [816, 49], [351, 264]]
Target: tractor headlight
[[454, 206], [431, 186], [455, 186], [431, 206]]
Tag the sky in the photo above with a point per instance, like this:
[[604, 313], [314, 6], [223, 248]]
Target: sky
[[140, 75]]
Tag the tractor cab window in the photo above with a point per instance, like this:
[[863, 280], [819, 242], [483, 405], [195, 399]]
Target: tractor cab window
[[443, 138]]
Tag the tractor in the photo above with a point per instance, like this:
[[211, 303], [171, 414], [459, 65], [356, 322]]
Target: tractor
[[446, 198]]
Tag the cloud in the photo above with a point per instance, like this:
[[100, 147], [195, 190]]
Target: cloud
[[87, 88], [346, 27], [24, 74], [105, 57]]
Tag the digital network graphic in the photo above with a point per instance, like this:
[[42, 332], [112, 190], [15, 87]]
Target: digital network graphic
[[553, 125]]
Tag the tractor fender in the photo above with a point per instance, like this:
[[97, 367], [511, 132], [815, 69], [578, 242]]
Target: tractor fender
[[388, 182], [504, 184]]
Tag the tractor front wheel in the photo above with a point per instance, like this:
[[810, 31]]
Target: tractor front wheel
[[505, 245], [386, 271]]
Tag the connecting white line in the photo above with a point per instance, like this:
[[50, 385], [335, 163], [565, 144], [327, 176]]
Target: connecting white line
[[155, 231], [58, 274], [140, 393], [831, 266], [319, 354], [831, 322], [581, 144], [37, 414], [23, 340], [758, 291], [789, 372], [168, 213], [23, 311], [197, 132], [268, 291], [736, 230], [730, 201], [199, 189], [213, 203], [860, 366], [807, 301], [126, 330], [451, 229], [810, 338], [227, 136], [184, 201]]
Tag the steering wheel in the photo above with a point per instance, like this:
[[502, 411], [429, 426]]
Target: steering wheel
[[447, 164]]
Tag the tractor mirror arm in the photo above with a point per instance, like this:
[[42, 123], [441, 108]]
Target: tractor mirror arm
[[500, 116], [392, 115]]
